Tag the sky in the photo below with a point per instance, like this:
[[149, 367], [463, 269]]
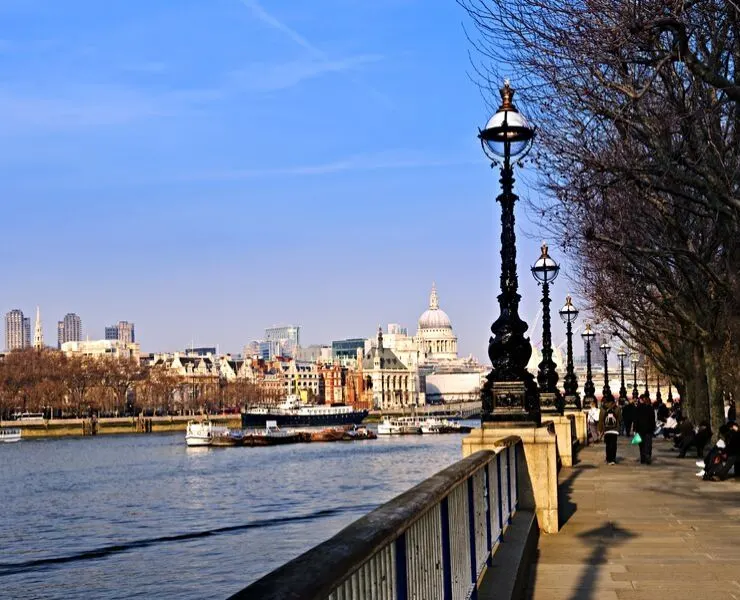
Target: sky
[[207, 169]]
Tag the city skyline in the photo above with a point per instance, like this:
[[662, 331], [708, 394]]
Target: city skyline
[[171, 124], [315, 338]]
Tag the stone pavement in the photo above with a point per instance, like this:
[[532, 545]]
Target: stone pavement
[[634, 532]]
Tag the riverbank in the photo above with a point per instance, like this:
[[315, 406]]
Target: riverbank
[[42, 428]]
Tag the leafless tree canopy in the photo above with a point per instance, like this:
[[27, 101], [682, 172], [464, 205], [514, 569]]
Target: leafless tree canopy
[[638, 105], [51, 383]]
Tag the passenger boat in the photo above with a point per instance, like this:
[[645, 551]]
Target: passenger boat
[[8, 434], [272, 435], [399, 426], [202, 433], [435, 425], [293, 412]]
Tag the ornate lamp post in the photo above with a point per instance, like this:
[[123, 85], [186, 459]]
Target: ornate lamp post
[[606, 393], [658, 395], [510, 392], [589, 390], [545, 271], [569, 314], [669, 399], [622, 354], [647, 389], [635, 359]]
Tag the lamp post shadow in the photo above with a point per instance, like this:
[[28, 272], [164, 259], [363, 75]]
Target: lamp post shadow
[[603, 539]]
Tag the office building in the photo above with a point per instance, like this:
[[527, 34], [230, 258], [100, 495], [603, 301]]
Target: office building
[[123, 331], [283, 341], [103, 348], [346, 349], [69, 329], [17, 330]]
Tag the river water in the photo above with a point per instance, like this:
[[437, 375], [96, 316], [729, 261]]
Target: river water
[[137, 516]]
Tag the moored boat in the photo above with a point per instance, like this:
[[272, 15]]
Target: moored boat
[[202, 433], [293, 412], [272, 435], [229, 438], [10, 434], [399, 426]]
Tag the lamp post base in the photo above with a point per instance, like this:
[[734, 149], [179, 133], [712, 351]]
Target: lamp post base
[[509, 402], [551, 403], [572, 402]]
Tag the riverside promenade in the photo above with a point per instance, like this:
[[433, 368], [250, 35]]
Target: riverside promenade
[[639, 532]]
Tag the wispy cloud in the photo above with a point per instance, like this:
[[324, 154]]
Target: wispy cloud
[[317, 53], [270, 77], [392, 160]]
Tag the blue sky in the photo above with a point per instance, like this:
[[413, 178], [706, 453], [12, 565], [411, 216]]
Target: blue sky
[[207, 169]]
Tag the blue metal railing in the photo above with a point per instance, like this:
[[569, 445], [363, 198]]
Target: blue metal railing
[[433, 541]]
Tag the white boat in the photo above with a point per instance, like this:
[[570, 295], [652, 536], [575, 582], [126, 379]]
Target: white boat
[[201, 433], [431, 425], [8, 434], [399, 426], [293, 412]]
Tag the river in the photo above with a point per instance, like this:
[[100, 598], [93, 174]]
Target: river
[[139, 516]]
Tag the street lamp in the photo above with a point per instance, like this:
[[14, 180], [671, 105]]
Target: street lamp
[[622, 354], [647, 389], [669, 399], [635, 359], [510, 390], [545, 270], [658, 395], [589, 390], [606, 393], [569, 314]]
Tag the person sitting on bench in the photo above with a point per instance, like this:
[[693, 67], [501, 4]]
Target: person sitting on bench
[[698, 440]]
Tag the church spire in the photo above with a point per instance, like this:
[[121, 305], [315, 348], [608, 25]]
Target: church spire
[[38, 335], [433, 299]]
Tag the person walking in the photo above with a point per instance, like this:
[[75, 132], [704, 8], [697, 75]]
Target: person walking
[[628, 416], [592, 418], [645, 426], [610, 422]]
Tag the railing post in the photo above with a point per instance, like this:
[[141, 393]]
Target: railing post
[[516, 474], [401, 568], [446, 556], [498, 500], [471, 530], [489, 535], [508, 482]]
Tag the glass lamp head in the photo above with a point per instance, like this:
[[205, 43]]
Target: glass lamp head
[[635, 358], [507, 131], [545, 270], [568, 313], [588, 334]]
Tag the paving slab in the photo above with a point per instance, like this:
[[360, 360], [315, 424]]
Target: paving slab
[[638, 532]]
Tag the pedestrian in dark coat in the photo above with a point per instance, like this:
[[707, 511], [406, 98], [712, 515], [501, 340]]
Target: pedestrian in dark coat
[[628, 416], [610, 422], [645, 426]]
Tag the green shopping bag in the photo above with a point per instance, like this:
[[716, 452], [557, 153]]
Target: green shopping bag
[[637, 439]]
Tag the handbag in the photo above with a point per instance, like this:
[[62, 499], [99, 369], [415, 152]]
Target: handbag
[[636, 439]]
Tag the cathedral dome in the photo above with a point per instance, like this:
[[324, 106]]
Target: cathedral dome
[[434, 317]]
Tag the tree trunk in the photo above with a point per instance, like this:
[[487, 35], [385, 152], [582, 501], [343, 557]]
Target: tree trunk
[[716, 398]]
